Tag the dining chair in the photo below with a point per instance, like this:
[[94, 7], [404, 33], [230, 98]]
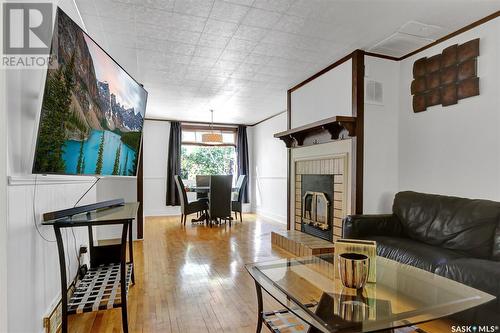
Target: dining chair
[[186, 206], [237, 200], [219, 201], [202, 181]]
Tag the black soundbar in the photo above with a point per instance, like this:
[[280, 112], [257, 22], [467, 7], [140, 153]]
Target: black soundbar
[[58, 214]]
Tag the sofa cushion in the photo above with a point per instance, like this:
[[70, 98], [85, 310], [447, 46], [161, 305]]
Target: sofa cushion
[[480, 274], [477, 273], [410, 252], [496, 244], [449, 222]]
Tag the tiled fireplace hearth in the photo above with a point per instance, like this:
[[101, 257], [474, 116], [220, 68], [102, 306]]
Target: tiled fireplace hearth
[[320, 196]]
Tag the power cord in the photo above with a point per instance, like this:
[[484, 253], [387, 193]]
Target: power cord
[[77, 254], [88, 190], [77, 251], [34, 214], [68, 258]]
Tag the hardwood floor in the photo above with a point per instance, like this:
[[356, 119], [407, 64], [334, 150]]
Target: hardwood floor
[[192, 279]]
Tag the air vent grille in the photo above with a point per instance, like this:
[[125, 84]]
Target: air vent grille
[[399, 44], [409, 37], [374, 92]]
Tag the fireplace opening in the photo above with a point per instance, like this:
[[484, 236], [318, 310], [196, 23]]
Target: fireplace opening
[[315, 209], [317, 198]]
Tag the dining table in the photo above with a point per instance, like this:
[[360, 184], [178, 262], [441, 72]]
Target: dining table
[[202, 189]]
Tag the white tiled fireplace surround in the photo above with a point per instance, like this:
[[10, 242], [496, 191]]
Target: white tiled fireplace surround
[[313, 161]]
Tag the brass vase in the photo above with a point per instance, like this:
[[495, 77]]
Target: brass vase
[[354, 268]]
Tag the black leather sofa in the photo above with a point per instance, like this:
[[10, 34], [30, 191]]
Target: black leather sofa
[[454, 237]]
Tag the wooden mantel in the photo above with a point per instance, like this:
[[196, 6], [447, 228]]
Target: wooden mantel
[[334, 125]]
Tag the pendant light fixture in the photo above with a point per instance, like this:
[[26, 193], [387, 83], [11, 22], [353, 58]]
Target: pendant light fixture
[[212, 137]]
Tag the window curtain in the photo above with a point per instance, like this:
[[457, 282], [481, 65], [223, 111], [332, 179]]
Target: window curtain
[[242, 155], [173, 162]]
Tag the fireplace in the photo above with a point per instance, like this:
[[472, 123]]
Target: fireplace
[[321, 195], [315, 209], [317, 197]]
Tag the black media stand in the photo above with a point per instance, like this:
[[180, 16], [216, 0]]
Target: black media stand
[[105, 285]]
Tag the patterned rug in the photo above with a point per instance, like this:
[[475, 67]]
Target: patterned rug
[[285, 322]]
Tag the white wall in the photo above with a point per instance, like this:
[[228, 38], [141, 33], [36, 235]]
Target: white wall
[[326, 96], [269, 169], [380, 178], [248, 207], [33, 264], [3, 204], [109, 188], [33, 285], [454, 150], [155, 143]]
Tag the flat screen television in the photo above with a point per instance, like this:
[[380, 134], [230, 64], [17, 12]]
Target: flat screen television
[[92, 110]]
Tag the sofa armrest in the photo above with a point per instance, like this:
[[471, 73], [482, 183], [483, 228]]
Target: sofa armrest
[[361, 226]]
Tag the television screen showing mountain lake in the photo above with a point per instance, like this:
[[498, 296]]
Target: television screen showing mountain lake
[[113, 147]]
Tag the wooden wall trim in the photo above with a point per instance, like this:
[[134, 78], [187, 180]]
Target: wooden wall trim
[[440, 40], [288, 161], [140, 196], [357, 107], [321, 72], [194, 122], [383, 56], [358, 111], [358, 87], [453, 34], [204, 127], [268, 118], [218, 124], [349, 56]]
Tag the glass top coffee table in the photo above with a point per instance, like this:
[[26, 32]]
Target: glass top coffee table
[[310, 289]]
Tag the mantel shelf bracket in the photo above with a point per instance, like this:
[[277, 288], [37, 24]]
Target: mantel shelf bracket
[[299, 137], [288, 140], [337, 126]]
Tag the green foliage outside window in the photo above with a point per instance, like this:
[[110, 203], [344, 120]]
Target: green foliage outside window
[[200, 160]]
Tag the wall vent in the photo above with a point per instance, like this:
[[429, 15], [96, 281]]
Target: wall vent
[[374, 92], [408, 38], [422, 30]]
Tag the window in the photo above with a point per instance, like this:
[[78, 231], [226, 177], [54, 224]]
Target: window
[[199, 158], [191, 135]]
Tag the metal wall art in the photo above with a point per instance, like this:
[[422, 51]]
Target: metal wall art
[[447, 77]]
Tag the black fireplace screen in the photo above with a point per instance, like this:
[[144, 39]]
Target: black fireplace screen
[[315, 209], [317, 198]]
